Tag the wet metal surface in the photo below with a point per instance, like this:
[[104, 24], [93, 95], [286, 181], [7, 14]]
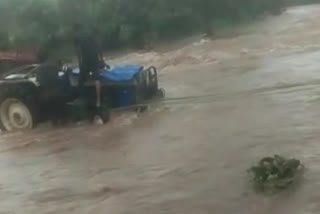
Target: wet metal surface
[[189, 157]]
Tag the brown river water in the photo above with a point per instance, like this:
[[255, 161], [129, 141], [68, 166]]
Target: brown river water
[[189, 156]]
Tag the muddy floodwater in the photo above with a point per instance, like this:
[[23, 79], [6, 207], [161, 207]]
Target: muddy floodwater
[[188, 156]]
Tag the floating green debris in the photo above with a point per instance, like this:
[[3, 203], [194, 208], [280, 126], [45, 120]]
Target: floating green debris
[[274, 173]]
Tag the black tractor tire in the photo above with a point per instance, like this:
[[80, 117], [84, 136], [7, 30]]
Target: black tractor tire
[[103, 112], [105, 116], [17, 108], [139, 99]]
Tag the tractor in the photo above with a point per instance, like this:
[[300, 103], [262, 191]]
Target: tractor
[[27, 98]]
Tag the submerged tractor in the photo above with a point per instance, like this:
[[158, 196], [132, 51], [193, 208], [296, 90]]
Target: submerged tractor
[[27, 99]]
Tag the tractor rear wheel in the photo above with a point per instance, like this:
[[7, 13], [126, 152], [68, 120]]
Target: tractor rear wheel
[[15, 115], [17, 108]]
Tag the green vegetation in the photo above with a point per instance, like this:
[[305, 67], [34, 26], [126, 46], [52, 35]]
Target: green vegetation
[[34, 24], [273, 173]]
